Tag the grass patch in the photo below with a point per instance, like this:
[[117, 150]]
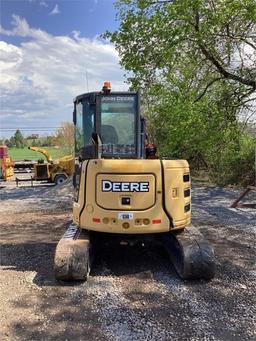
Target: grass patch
[[18, 154]]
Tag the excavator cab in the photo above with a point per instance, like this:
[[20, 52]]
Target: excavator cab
[[108, 125], [122, 191]]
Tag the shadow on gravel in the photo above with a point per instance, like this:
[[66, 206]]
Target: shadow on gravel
[[61, 314], [225, 215], [24, 192], [29, 244], [67, 311], [31, 247], [122, 260], [186, 309], [213, 204], [38, 257], [133, 292], [221, 308], [141, 275]]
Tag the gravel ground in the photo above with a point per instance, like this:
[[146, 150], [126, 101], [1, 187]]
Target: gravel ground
[[133, 292]]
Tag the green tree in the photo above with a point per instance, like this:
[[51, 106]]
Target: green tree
[[18, 139], [12, 142], [214, 38], [195, 64], [8, 143]]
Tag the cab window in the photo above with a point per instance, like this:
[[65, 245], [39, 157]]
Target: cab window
[[118, 124], [84, 124]]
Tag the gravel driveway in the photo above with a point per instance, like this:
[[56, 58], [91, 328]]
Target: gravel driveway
[[133, 292]]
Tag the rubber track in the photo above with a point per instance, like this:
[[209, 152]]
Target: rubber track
[[191, 255], [72, 255]]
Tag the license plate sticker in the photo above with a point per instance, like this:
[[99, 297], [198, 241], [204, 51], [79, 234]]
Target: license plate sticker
[[125, 216]]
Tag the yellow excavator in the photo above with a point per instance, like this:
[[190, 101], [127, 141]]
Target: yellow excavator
[[53, 171], [124, 191]]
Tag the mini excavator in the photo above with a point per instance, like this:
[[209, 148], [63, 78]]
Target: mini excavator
[[123, 189]]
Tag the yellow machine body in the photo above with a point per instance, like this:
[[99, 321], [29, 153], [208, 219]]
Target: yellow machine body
[[49, 171], [124, 193], [67, 163], [133, 196], [64, 166], [6, 168]]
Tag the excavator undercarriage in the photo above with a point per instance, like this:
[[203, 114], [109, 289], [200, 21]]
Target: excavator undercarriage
[[191, 255]]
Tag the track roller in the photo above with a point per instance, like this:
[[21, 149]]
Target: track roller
[[191, 255], [73, 255]]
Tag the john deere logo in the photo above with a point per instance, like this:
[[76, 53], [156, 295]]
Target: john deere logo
[[110, 186]]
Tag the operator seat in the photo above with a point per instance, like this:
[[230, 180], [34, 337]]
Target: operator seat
[[108, 134]]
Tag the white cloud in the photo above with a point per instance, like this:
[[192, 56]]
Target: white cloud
[[55, 10], [43, 4], [22, 29], [76, 34], [40, 78]]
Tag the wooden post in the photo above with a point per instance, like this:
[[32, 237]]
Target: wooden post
[[247, 190]]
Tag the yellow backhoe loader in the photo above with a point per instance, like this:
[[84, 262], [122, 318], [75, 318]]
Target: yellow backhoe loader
[[53, 171], [122, 192]]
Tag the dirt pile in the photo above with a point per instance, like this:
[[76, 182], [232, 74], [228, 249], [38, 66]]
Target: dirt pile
[[64, 190]]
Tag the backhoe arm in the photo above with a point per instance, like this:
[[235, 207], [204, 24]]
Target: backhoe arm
[[42, 151]]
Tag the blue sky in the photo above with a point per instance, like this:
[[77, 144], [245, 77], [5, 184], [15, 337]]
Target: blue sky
[[46, 49], [90, 17]]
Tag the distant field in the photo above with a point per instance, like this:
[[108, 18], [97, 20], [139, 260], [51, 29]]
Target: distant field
[[27, 154]]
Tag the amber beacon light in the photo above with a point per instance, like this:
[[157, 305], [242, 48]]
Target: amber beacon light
[[106, 86]]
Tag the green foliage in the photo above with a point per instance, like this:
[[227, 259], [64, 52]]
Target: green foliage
[[235, 164], [18, 139], [7, 143], [188, 59], [37, 141], [207, 36]]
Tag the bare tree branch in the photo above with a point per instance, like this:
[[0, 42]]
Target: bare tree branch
[[215, 62], [246, 41], [207, 87], [251, 91]]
